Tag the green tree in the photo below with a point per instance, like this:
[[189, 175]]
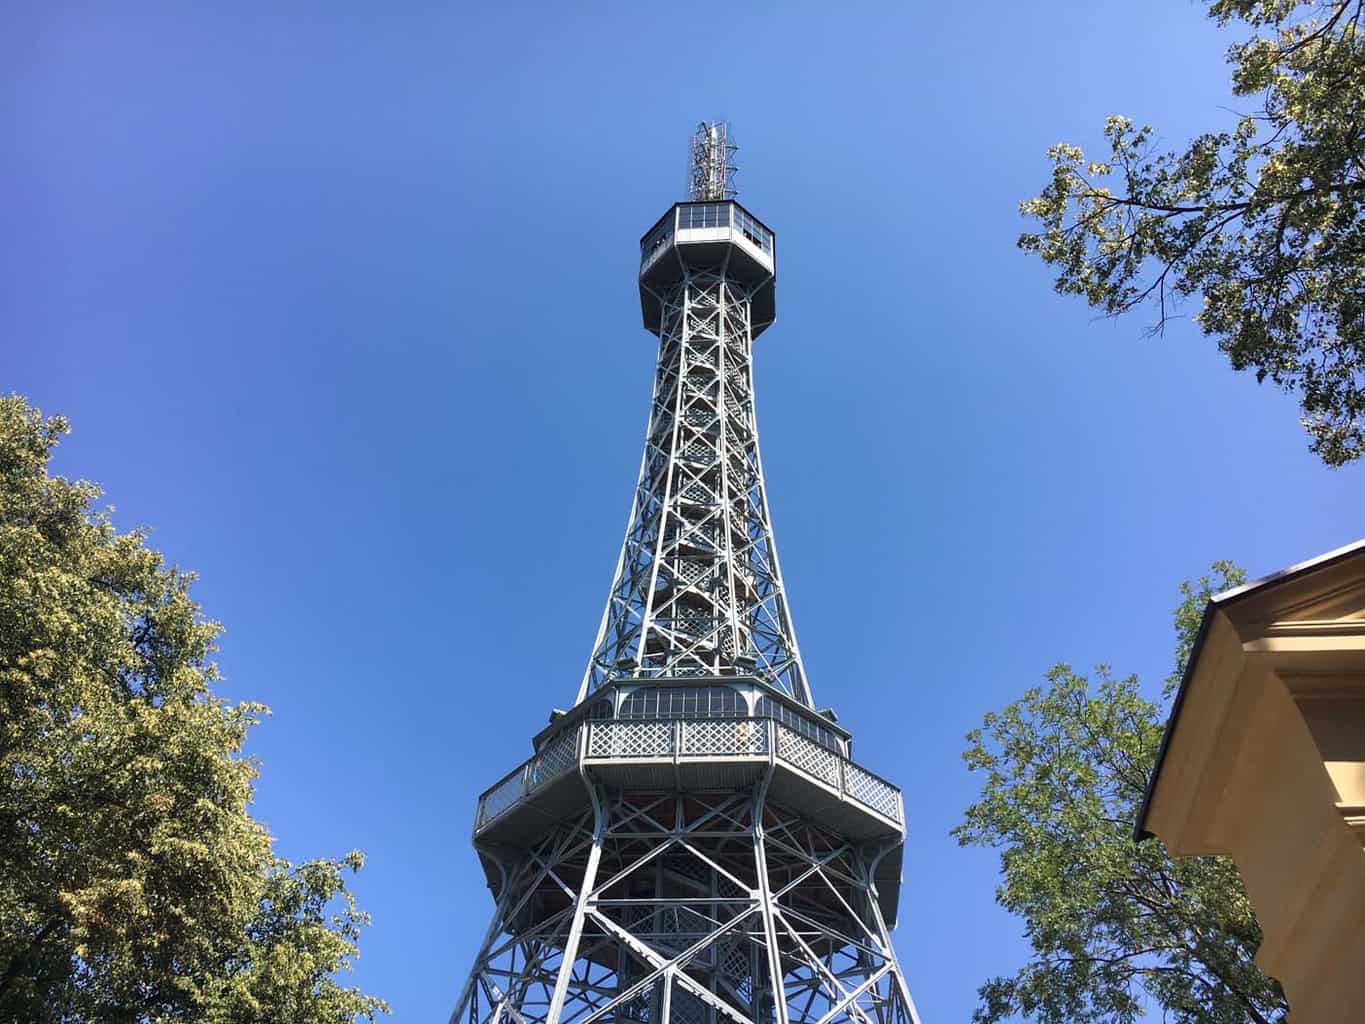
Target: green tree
[[1116, 928], [1266, 222], [134, 884]]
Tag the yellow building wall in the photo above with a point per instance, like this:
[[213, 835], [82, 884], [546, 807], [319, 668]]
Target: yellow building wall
[[1265, 763]]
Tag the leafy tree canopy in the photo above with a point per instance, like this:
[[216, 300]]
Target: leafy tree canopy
[[1266, 222], [134, 885], [1116, 928]]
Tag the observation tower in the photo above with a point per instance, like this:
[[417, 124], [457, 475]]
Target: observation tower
[[692, 843]]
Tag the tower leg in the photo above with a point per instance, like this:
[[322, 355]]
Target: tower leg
[[579, 910], [772, 952], [495, 926]]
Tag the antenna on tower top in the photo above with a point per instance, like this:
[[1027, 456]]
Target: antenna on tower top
[[712, 168]]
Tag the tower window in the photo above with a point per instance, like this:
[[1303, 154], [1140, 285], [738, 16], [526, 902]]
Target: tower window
[[684, 702], [704, 215]]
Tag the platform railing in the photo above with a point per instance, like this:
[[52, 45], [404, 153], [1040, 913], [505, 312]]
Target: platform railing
[[654, 247], [556, 757], [691, 739]]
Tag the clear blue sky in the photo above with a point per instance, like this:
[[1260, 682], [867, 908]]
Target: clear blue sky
[[341, 301]]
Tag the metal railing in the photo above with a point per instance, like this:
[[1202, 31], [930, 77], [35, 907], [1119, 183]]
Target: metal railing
[[558, 756], [680, 737], [689, 739], [655, 246]]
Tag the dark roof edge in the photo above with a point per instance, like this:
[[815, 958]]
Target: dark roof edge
[[1140, 827], [1227, 597], [1319, 562]]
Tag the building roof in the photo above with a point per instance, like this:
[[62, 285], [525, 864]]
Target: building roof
[[1221, 601]]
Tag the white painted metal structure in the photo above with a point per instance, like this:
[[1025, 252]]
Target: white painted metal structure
[[692, 843], [711, 170]]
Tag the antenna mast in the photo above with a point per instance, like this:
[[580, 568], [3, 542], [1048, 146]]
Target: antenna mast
[[712, 168]]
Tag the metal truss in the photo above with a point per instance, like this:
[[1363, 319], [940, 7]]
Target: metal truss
[[686, 908], [697, 589], [711, 168]]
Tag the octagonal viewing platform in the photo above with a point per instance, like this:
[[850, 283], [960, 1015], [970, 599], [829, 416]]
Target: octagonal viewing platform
[[709, 236]]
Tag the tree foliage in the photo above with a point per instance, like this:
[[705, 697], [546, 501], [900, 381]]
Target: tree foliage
[[134, 884], [1116, 928], [1266, 221]]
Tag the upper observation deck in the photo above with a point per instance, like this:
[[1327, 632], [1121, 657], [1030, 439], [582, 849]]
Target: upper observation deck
[[717, 236]]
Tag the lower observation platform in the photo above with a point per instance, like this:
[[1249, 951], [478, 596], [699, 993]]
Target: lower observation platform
[[733, 733]]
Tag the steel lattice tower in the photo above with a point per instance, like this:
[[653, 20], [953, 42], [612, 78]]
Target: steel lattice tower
[[692, 843]]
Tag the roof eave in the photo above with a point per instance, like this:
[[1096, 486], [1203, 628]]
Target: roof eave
[[1219, 601]]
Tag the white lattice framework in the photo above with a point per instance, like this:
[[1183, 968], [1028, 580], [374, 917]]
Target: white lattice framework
[[711, 169], [675, 908], [698, 589]]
